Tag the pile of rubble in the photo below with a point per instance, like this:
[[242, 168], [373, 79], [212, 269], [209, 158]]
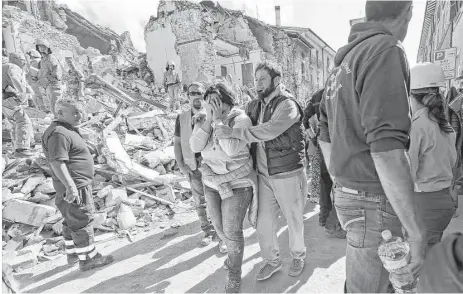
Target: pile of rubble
[[137, 185]]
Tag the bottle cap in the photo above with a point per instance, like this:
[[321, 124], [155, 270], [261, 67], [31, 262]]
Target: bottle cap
[[386, 234]]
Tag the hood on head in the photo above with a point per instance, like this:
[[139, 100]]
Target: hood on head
[[359, 33]]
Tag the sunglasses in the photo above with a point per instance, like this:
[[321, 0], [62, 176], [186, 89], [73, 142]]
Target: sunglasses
[[195, 94]]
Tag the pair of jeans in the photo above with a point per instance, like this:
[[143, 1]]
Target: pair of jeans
[[437, 210], [197, 191], [288, 196], [78, 222], [227, 217], [364, 216]]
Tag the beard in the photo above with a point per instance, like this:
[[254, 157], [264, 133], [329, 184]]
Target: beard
[[266, 92]]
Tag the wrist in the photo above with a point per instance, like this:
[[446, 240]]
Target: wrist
[[70, 185]]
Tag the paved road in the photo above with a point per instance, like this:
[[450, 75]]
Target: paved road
[[173, 261]]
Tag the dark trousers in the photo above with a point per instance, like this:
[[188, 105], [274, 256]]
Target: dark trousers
[[227, 216], [78, 222]]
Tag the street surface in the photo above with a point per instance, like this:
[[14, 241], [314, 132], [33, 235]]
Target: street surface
[[172, 261]]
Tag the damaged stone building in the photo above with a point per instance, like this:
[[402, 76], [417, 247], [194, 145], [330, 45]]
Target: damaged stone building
[[208, 41], [96, 49]]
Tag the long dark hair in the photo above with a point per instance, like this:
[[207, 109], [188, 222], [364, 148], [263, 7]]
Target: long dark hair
[[225, 93], [434, 102]]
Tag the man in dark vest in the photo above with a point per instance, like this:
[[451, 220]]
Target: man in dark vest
[[278, 151], [189, 162]]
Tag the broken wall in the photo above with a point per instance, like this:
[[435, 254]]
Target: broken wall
[[179, 34], [25, 30]]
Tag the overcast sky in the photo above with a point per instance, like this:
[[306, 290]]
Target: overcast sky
[[327, 18]]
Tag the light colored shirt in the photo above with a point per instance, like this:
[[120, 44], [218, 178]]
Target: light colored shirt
[[285, 115], [432, 153], [50, 69], [224, 155]]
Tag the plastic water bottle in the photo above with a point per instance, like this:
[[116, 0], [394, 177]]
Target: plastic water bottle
[[395, 254]]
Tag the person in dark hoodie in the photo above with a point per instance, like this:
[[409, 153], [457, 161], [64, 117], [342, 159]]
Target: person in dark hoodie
[[364, 126]]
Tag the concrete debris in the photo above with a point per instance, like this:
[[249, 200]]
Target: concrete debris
[[128, 132], [26, 212]]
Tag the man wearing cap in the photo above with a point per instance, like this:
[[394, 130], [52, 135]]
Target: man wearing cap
[[32, 79], [455, 115], [364, 126], [189, 162], [50, 73], [15, 94]]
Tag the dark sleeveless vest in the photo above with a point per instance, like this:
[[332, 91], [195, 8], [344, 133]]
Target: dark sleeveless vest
[[286, 152]]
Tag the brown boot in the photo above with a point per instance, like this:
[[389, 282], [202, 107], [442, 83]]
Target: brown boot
[[97, 261]]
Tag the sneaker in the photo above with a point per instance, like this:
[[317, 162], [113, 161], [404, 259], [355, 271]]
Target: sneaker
[[206, 240], [233, 285], [222, 247], [339, 232], [321, 224], [97, 261], [72, 259], [296, 267], [268, 270]]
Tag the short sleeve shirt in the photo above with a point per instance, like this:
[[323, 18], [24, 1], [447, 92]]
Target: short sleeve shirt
[[62, 142]]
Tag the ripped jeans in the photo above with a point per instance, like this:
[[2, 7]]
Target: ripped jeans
[[364, 216]]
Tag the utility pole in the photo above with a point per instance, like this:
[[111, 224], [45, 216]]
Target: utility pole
[[257, 12]]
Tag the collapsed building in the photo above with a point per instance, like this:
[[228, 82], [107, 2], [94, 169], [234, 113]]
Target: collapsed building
[[208, 41], [137, 184], [95, 49]]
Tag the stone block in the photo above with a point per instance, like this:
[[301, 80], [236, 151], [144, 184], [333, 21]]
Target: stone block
[[115, 197], [26, 212]]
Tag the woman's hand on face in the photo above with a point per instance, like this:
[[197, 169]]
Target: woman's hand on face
[[216, 108]]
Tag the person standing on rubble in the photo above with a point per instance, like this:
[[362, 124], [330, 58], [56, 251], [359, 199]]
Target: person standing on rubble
[[15, 95], [364, 126], [50, 73], [32, 79], [172, 84], [278, 148], [75, 83], [72, 172], [230, 182], [189, 162]]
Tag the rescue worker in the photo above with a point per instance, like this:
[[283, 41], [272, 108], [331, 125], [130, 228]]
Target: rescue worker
[[172, 84], [75, 81], [432, 152], [278, 149], [16, 93], [32, 79], [72, 172], [189, 162], [455, 118], [50, 73]]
